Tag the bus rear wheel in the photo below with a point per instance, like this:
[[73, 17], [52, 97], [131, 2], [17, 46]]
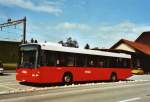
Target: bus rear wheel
[[67, 79], [113, 77]]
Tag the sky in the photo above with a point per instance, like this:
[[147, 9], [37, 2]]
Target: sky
[[100, 23]]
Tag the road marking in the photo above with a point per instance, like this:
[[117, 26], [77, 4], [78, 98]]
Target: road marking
[[7, 80], [7, 87], [71, 92], [9, 84], [132, 99], [10, 73]]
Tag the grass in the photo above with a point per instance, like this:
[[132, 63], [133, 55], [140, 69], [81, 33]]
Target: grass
[[9, 66]]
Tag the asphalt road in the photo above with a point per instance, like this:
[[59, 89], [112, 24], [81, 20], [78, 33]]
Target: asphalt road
[[110, 92], [8, 82], [134, 91]]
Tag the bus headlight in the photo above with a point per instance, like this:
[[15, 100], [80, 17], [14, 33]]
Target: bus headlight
[[35, 75], [24, 72]]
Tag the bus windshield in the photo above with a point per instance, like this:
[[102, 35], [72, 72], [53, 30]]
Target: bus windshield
[[28, 56]]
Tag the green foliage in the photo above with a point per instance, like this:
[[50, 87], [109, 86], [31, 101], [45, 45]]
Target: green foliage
[[87, 46], [69, 43]]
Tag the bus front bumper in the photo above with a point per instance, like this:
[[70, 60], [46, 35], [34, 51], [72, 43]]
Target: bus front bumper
[[33, 78]]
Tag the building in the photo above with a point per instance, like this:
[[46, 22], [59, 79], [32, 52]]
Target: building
[[9, 51], [139, 50]]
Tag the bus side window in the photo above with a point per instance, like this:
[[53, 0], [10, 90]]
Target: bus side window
[[92, 62], [69, 60], [100, 64], [80, 60], [121, 62], [113, 62], [57, 62], [43, 58], [107, 62], [61, 59], [126, 63], [51, 57], [89, 61]]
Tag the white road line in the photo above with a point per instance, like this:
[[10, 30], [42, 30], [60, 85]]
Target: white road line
[[7, 80], [10, 73], [9, 84], [129, 100], [7, 87]]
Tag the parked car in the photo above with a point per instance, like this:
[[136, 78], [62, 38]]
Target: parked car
[[137, 71], [1, 68]]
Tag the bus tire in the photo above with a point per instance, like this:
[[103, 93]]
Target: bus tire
[[67, 78], [113, 77]]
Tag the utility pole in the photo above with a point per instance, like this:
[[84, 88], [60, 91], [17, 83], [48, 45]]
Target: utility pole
[[24, 30], [14, 23]]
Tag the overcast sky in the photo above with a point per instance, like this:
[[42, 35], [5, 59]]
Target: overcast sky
[[101, 23]]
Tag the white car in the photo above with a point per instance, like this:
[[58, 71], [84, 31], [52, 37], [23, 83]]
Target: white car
[[1, 70]]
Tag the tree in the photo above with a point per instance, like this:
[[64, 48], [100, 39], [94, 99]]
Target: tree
[[69, 43], [32, 40], [87, 46], [61, 42], [75, 44], [35, 41]]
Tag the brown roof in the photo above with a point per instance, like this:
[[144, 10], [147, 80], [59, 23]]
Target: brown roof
[[135, 45], [144, 38]]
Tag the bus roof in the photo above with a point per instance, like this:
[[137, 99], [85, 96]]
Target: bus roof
[[59, 48]]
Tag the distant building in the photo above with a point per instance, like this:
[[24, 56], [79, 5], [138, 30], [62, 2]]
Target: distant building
[[139, 49], [9, 51]]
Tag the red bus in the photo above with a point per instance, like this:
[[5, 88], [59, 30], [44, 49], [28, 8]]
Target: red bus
[[48, 63]]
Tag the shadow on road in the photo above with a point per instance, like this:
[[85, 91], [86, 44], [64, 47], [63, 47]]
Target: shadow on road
[[41, 85], [5, 74], [60, 84]]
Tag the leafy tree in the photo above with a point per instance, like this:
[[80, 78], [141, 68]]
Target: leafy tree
[[87, 46], [61, 42], [35, 41], [69, 43], [32, 40]]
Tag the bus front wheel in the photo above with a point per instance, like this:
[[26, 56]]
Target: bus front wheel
[[113, 77], [67, 78]]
